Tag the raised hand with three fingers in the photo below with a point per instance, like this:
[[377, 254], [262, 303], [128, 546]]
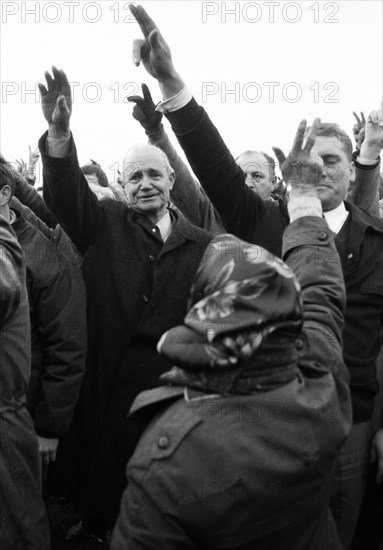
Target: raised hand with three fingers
[[302, 169]]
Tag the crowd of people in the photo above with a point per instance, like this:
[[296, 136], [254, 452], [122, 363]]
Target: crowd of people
[[192, 357]]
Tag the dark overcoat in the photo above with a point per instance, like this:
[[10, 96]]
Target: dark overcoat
[[137, 288], [23, 519]]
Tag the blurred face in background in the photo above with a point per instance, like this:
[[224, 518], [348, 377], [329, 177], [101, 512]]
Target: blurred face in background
[[259, 174]]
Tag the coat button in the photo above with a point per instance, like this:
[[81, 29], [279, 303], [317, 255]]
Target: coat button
[[145, 298], [299, 343], [163, 442], [151, 258], [322, 236]]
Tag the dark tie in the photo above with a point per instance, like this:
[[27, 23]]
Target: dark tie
[[157, 233]]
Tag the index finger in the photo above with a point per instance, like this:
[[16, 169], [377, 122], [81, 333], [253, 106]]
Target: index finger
[[146, 93], [357, 118], [312, 135], [147, 25], [298, 140]]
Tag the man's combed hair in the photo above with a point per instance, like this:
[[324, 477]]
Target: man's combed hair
[[269, 159], [127, 164], [8, 175], [94, 169], [331, 129]]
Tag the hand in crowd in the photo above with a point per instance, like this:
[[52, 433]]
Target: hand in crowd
[[155, 54], [377, 453], [358, 129], [302, 169], [145, 112], [56, 103], [373, 141], [47, 449], [21, 167], [33, 158], [281, 157]]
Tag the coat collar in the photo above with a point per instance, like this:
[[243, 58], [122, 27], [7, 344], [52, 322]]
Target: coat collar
[[363, 219], [182, 229], [155, 396]]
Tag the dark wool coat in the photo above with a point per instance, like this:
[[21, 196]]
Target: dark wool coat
[[57, 303], [23, 519], [137, 288], [249, 217], [254, 471]]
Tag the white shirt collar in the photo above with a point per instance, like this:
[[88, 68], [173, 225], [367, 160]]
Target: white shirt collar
[[165, 225], [336, 217]]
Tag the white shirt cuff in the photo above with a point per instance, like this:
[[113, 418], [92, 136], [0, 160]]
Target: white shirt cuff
[[366, 161], [304, 206], [176, 102]]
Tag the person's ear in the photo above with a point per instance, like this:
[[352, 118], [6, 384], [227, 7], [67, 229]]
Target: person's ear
[[172, 179], [5, 195], [352, 172]]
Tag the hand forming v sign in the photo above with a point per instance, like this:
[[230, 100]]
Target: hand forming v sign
[[302, 170]]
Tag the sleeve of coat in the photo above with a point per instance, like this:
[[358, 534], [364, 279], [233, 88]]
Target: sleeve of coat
[[60, 309], [309, 249], [145, 521], [69, 197], [29, 197], [364, 190], [11, 265], [187, 194], [240, 208]]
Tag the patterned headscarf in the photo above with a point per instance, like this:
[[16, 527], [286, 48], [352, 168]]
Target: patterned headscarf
[[245, 314]]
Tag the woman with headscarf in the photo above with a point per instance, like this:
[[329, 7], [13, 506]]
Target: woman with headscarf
[[243, 440]]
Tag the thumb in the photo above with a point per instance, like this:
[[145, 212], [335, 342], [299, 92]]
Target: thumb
[[138, 51], [135, 99], [281, 157]]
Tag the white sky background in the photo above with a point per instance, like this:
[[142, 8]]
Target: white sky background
[[343, 56]]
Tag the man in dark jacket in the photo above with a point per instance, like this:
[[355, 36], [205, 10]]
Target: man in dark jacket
[[359, 241], [23, 519], [57, 301], [263, 404], [138, 265]]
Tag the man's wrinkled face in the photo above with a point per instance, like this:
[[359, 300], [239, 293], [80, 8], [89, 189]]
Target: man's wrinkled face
[[147, 182], [258, 173], [337, 173]]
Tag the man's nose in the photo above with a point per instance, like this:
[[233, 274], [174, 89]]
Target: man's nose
[[146, 182]]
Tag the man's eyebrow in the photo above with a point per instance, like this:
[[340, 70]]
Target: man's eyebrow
[[135, 173], [331, 155], [155, 171]]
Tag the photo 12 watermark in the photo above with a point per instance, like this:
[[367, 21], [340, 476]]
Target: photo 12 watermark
[[66, 12], [270, 92], [271, 12], [90, 92]]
